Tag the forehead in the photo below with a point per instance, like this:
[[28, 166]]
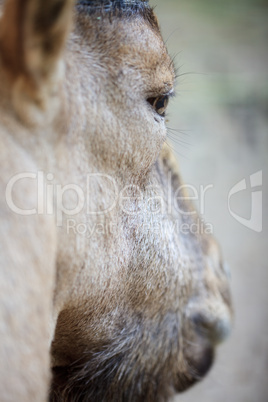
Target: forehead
[[126, 35]]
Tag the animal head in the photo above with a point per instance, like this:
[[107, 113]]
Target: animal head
[[140, 297]]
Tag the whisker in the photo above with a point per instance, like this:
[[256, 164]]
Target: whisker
[[190, 73], [175, 150], [171, 34], [176, 137], [178, 142]]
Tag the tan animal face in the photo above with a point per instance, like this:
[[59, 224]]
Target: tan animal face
[[113, 269]]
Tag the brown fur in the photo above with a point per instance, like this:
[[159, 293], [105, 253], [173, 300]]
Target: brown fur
[[129, 314]]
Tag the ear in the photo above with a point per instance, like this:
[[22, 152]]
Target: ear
[[32, 37]]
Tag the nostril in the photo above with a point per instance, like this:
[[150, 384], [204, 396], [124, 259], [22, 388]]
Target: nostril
[[213, 328]]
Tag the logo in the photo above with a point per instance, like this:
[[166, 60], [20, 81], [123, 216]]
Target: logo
[[255, 221]]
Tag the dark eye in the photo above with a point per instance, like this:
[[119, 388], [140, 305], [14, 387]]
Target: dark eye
[[159, 104]]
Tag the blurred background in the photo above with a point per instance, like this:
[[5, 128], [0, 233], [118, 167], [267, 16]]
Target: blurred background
[[218, 127]]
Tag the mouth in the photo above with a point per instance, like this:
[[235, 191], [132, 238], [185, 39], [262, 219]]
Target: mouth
[[68, 384], [95, 378], [197, 369]]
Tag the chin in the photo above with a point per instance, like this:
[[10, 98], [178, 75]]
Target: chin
[[87, 381]]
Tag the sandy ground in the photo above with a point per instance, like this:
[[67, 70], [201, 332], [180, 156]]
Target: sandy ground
[[221, 114]]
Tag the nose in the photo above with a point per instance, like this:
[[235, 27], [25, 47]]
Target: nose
[[212, 323]]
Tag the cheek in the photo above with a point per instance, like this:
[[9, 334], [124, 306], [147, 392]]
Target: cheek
[[144, 134], [145, 144], [129, 141]]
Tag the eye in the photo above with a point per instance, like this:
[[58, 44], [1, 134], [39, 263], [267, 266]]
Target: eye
[[159, 104]]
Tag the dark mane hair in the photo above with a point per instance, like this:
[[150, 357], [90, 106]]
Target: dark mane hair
[[108, 4], [119, 8]]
